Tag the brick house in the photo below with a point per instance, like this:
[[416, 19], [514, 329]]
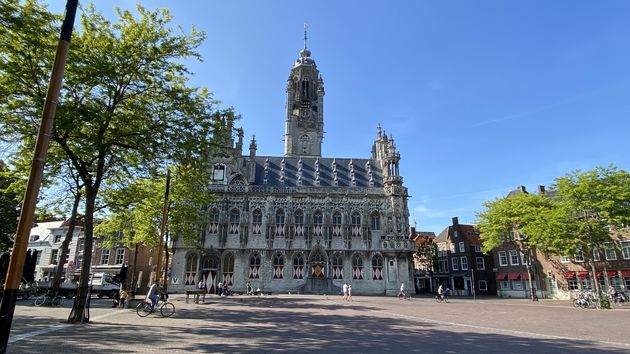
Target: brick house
[[461, 263]]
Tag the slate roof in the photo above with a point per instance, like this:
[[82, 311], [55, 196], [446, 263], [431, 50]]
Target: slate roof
[[304, 171]]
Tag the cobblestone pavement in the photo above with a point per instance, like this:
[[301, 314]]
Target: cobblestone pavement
[[314, 324]]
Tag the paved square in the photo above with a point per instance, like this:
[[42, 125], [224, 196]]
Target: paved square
[[304, 323]]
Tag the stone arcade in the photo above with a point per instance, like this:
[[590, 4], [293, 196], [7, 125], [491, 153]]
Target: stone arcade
[[302, 222]]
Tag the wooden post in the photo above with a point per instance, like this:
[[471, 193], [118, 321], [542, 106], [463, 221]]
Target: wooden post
[[14, 274]]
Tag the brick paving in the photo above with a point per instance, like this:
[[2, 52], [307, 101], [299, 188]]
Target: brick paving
[[326, 324]]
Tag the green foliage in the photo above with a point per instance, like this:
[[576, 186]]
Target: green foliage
[[576, 214], [8, 209], [514, 213], [427, 252], [126, 109], [592, 202], [136, 210]]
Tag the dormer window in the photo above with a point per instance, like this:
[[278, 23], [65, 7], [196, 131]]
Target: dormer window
[[218, 172]]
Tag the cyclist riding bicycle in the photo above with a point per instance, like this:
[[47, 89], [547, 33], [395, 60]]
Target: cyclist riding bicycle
[[154, 294], [401, 294]]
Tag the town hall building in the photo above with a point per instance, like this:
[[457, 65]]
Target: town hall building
[[302, 222]]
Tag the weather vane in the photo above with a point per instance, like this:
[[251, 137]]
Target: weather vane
[[306, 26]]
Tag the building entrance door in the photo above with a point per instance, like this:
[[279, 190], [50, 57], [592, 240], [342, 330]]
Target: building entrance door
[[210, 279], [209, 271], [318, 265]]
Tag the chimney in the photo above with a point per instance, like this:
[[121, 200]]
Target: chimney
[[522, 189], [455, 221], [541, 189]]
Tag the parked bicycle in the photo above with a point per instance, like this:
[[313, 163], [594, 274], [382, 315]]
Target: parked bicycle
[[618, 298], [585, 300], [48, 299], [167, 309]]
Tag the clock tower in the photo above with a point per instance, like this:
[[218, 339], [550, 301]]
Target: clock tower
[[304, 129]]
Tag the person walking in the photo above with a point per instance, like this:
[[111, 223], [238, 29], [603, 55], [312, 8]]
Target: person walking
[[345, 291], [220, 289], [349, 292], [122, 303]]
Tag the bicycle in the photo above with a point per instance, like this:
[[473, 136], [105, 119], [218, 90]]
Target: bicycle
[[48, 299], [167, 309], [585, 299], [441, 298], [404, 295]]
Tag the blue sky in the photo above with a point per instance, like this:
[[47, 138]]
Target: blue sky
[[480, 96]]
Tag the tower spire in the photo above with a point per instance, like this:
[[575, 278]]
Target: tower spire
[[306, 26]]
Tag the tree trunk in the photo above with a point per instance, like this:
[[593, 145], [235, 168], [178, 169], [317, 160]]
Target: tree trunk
[[532, 290], [72, 222], [80, 309], [595, 282]]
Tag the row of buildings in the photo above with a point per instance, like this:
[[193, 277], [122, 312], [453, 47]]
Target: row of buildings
[[47, 236], [512, 271]]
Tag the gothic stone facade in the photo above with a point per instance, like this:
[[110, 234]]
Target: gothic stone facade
[[302, 222]]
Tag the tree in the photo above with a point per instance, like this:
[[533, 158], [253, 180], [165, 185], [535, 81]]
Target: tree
[[591, 203], [426, 252], [510, 220], [576, 215], [126, 109]]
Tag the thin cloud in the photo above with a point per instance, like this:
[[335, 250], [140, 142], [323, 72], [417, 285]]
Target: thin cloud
[[544, 108]]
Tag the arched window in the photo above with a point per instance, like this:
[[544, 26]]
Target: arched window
[[336, 223], [213, 225], [304, 88], [279, 223], [299, 222], [337, 267], [254, 266], [228, 269], [278, 266], [357, 267], [234, 222], [356, 224], [257, 222], [377, 267], [209, 262], [298, 267], [318, 223], [218, 172], [375, 221], [191, 269]]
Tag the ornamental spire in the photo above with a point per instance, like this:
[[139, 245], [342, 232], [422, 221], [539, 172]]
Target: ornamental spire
[[306, 26]]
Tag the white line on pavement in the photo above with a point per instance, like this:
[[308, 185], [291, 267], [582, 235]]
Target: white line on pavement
[[38, 332]]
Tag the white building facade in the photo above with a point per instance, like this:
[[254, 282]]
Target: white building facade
[[301, 222]]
